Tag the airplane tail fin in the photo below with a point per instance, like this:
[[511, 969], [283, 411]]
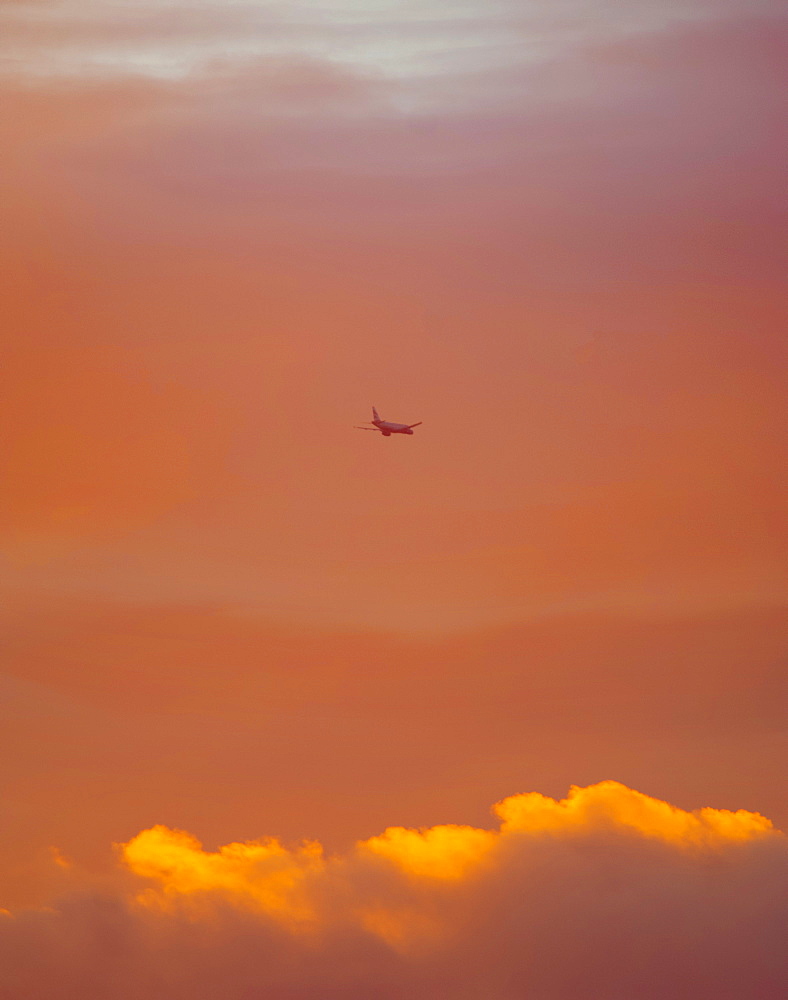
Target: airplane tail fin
[[375, 414]]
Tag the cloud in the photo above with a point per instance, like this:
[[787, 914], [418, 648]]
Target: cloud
[[404, 41], [610, 805], [607, 893], [263, 872]]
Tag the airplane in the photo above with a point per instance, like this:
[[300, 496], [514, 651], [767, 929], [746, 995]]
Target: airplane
[[386, 428]]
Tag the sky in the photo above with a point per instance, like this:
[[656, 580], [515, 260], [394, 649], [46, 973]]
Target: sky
[[554, 233]]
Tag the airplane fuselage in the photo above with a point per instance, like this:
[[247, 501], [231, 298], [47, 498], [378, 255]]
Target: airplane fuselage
[[386, 427]]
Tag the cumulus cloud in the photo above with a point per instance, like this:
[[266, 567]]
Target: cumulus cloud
[[608, 893]]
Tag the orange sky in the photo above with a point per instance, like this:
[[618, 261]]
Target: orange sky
[[552, 233]]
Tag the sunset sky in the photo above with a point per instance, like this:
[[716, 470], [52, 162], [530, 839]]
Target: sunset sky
[[554, 232]]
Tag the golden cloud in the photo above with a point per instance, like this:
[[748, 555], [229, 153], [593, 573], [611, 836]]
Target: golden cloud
[[610, 805], [441, 852], [259, 872], [287, 883], [607, 893]]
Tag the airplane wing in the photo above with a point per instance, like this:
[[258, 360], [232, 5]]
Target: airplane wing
[[364, 428], [416, 425]]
